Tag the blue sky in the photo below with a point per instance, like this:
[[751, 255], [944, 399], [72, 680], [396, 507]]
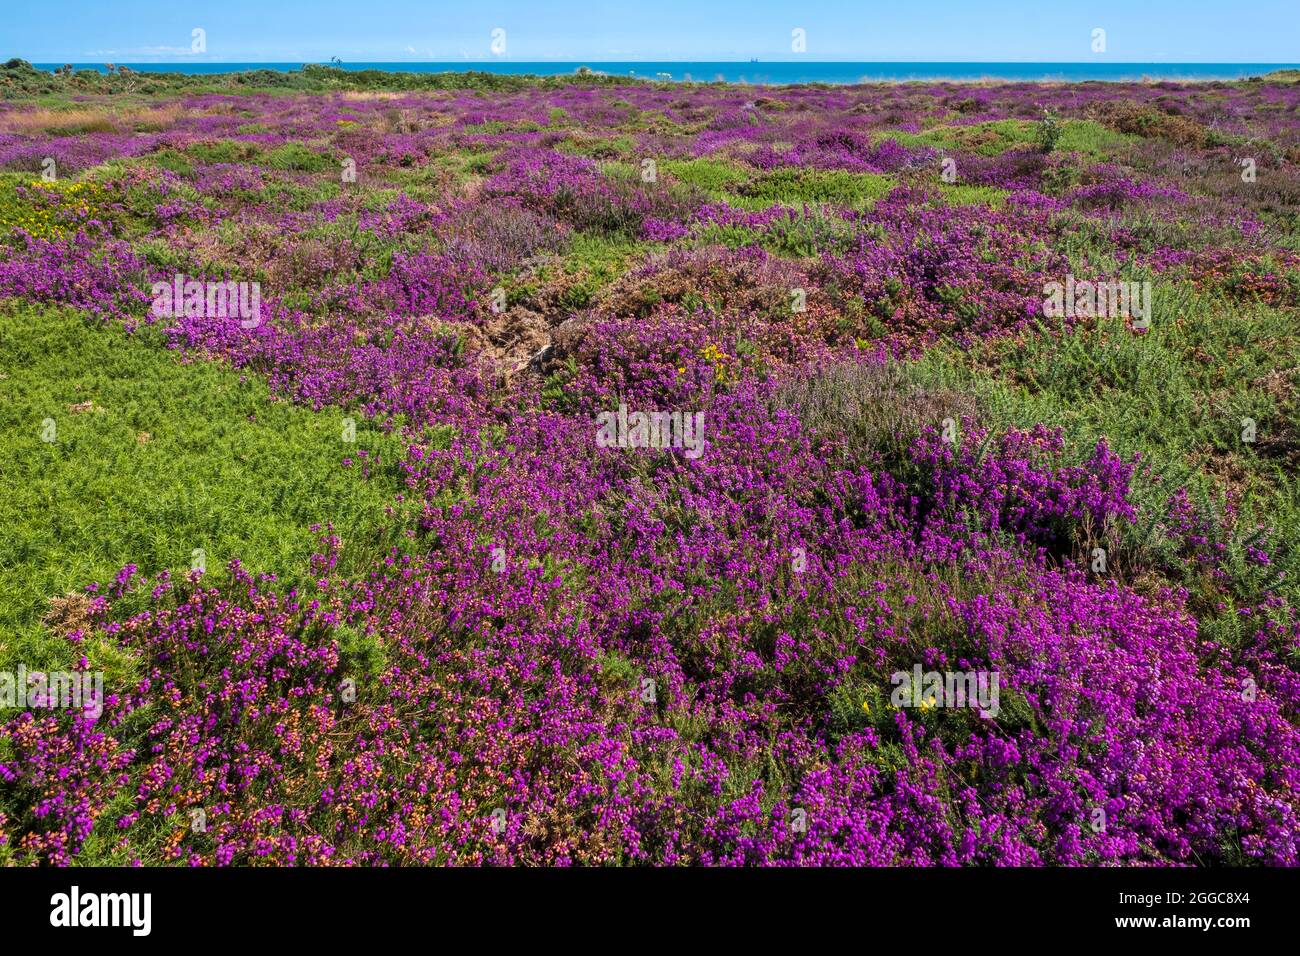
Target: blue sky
[[94, 31]]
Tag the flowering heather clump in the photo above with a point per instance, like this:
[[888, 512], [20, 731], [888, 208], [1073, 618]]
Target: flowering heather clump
[[845, 150], [502, 236], [555, 649], [1011, 493], [1114, 192], [965, 271], [574, 190], [76, 270]]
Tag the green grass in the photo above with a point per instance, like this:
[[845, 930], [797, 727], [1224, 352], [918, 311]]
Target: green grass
[[716, 177], [1176, 395], [422, 183], [995, 137], [295, 156], [591, 263], [300, 197], [958, 194], [224, 151], [169, 457], [792, 185], [807, 233], [173, 160], [599, 147]]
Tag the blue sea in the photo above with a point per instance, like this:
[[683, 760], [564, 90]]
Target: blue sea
[[776, 72]]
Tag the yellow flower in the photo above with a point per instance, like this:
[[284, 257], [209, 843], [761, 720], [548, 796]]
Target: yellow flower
[[866, 706]]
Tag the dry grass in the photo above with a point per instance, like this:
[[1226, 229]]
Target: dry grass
[[374, 95], [871, 407], [68, 614], [90, 120]]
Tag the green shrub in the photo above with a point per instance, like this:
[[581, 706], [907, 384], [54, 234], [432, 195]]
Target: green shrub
[[153, 458]]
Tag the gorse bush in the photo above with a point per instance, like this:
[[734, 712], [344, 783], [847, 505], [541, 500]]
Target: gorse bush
[[1048, 133]]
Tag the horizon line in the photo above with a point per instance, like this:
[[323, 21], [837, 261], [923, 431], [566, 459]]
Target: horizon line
[[580, 60]]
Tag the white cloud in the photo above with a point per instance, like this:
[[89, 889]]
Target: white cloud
[[145, 51]]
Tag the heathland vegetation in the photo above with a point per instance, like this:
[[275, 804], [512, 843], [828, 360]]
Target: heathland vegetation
[[407, 566]]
